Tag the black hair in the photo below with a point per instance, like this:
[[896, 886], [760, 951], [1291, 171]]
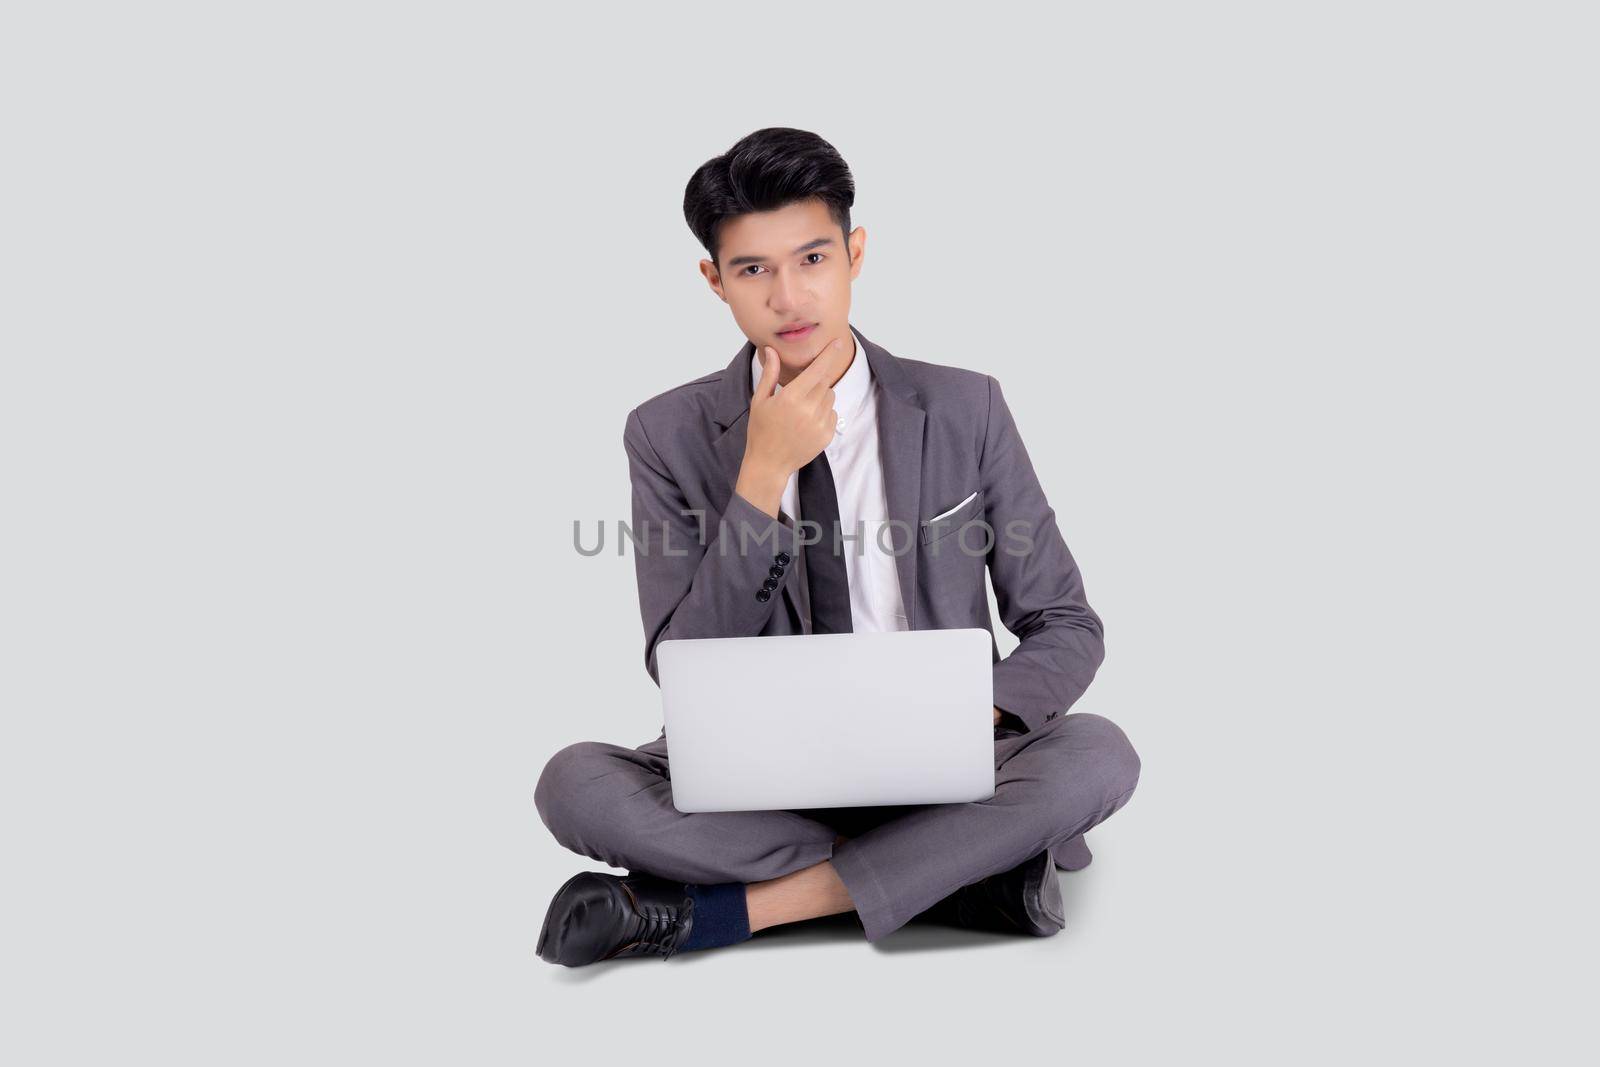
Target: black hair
[[764, 171]]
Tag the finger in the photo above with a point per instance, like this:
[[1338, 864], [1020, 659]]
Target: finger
[[767, 384], [825, 369]]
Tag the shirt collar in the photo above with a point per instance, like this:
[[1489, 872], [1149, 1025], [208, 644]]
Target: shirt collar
[[848, 392]]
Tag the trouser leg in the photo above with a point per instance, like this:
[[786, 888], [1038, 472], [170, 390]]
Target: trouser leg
[[1051, 785], [614, 804]]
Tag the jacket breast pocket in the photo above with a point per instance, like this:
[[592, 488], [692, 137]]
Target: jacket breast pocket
[[948, 522]]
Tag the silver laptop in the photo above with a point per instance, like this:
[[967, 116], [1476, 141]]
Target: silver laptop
[[828, 720]]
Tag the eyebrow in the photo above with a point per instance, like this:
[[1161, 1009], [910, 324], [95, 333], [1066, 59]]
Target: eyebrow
[[739, 261]]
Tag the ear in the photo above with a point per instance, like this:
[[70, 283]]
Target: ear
[[857, 244], [709, 271]]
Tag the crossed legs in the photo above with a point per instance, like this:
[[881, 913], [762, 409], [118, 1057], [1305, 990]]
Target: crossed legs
[[614, 804]]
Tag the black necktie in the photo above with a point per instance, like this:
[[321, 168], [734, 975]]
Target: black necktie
[[825, 574]]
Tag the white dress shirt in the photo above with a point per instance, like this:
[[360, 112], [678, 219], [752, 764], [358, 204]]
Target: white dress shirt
[[875, 600]]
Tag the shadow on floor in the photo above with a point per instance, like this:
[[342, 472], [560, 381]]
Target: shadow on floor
[[916, 936]]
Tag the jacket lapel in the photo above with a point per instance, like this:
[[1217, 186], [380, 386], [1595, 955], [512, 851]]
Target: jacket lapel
[[900, 424], [732, 406]]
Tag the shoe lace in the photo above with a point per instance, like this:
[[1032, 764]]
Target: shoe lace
[[656, 931]]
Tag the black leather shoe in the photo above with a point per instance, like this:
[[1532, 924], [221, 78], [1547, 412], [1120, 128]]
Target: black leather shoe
[[605, 917], [1026, 899]]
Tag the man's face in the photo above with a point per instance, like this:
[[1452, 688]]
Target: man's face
[[783, 267]]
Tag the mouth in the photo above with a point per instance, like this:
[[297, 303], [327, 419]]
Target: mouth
[[800, 333]]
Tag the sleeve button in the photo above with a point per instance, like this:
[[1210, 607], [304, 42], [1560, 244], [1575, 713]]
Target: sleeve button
[[763, 596], [782, 559], [775, 572], [770, 584]]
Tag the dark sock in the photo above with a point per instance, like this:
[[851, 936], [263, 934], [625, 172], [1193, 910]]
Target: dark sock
[[720, 917]]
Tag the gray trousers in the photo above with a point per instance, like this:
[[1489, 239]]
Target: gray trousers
[[614, 804]]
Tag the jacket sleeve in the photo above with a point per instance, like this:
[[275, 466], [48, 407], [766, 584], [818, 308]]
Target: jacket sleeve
[[1036, 583], [691, 584]]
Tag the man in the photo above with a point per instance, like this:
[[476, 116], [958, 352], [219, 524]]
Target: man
[[917, 480]]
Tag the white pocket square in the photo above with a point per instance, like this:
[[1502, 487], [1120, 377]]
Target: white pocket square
[[955, 509]]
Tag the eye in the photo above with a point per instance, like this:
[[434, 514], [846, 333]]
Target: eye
[[753, 266], [819, 255]]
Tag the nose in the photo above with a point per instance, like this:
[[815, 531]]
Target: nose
[[785, 292]]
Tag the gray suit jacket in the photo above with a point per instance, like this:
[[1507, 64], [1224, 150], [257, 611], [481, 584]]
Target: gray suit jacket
[[703, 552]]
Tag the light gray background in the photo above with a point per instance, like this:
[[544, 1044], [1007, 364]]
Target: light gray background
[[320, 323]]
